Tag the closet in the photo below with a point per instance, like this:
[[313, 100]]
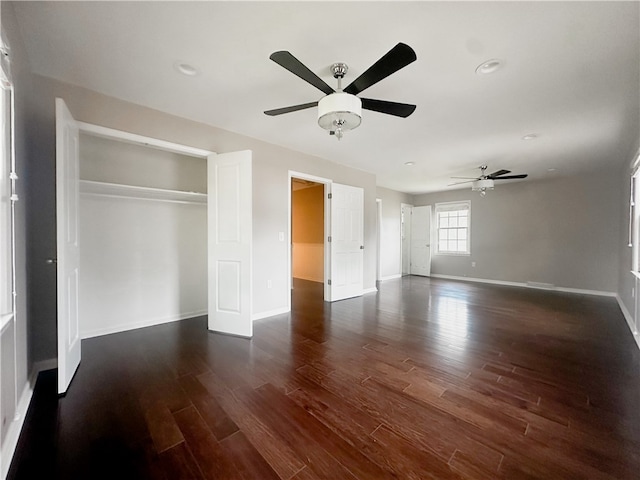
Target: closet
[[143, 232]]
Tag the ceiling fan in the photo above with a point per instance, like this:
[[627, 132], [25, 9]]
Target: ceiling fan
[[341, 110], [485, 182]]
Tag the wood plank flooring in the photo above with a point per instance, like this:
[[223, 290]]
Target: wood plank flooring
[[427, 379]]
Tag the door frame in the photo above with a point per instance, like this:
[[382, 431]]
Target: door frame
[[327, 227]]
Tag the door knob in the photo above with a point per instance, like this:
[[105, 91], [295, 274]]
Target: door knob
[[51, 261]]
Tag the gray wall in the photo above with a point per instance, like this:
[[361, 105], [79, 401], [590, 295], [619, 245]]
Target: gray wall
[[390, 240], [560, 231]]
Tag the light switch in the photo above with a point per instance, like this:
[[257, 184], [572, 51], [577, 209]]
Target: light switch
[[281, 236]]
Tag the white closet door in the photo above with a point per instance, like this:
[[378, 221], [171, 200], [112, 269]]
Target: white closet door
[[230, 238], [347, 241], [421, 241], [67, 209]]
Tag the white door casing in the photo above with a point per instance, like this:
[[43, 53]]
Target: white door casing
[[67, 209], [421, 241], [347, 241], [229, 190]]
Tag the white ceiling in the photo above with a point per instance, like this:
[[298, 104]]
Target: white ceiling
[[571, 75]]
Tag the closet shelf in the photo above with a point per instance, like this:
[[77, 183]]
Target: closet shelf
[[142, 193]]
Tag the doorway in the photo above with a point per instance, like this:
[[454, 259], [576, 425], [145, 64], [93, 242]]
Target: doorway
[[228, 231], [307, 230], [405, 238]]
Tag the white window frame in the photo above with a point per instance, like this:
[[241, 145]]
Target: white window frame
[[7, 192], [634, 215], [453, 207]]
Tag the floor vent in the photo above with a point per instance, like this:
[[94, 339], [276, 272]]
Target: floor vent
[[544, 286]]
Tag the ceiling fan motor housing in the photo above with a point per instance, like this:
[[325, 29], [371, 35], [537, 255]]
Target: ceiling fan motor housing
[[339, 110]]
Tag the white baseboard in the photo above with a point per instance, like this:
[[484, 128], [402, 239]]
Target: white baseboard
[[43, 365], [146, 323], [526, 285], [391, 277], [369, 290], [13, 433], [270, 313], [629, 318]]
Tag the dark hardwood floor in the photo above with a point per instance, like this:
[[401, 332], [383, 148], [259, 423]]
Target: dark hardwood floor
[[426, 379]]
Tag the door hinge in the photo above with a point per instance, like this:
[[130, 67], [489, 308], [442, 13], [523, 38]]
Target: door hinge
[[330, 196], [329, 281], [329, 239]]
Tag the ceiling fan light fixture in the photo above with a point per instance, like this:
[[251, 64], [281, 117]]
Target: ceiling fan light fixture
[[482, 185], [339, 112]]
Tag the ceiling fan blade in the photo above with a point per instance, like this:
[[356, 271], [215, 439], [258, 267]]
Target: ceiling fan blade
[[498, 173], [295, 66], [460, 183], [391, 108], [509, 177], [468, 178], [398, 57], [293, 108]]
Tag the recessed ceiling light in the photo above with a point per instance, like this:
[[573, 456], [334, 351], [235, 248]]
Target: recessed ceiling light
[[551, 169], [408, 164], [186, 69], [530, 136], [489, 66]]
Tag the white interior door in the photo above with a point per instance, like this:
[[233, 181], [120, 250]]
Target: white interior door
[[421, 241], [405, 232], [229, 191], [67, 209], [347, 241]]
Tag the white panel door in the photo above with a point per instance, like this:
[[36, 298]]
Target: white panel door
[[229, 191], [421, 241], [347, 241], [67, 209], [405, 226]]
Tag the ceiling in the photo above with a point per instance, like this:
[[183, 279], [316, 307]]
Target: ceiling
[[570, 75]]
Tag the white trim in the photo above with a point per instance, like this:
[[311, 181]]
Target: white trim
[[146, 323], [391, 277], [13, 432], [629, 319], [270, 313], [378, 239], [369, 290], [43, 365], [120, 135], [525, 285]]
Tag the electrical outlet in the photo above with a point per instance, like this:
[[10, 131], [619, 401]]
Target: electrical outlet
[[473, 264], [269, 284]]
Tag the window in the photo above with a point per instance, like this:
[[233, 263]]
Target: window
[[634, 216], [452, 226], [7, 197]]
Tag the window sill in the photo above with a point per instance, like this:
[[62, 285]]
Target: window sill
[[453, 254]]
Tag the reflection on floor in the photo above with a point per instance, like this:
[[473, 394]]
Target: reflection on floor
[[425, 379]]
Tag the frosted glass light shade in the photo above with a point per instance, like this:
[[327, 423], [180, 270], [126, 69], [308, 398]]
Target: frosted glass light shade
[[339, 110], [486, 184]]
